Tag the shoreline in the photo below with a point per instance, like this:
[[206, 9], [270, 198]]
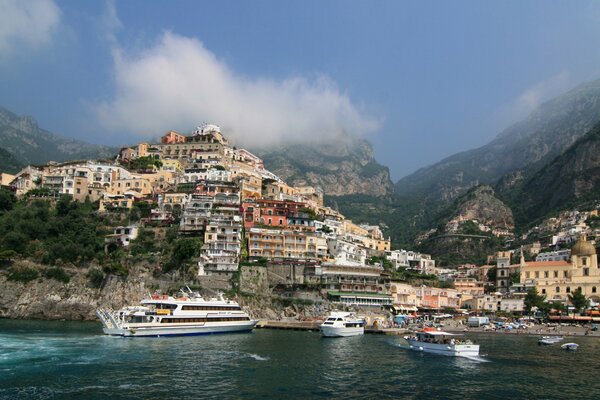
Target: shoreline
[[538, 330]]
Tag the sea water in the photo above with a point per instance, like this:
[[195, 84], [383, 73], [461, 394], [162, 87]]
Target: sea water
[[69, 360]]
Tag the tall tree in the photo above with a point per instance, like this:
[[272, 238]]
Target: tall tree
[[578, 300], [533, 299]]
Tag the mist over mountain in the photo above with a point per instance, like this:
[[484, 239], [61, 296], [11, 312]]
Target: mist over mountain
[[526, 146], [343, 166], [570, 180]]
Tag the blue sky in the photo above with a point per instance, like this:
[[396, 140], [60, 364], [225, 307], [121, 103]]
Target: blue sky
[[421, 80]]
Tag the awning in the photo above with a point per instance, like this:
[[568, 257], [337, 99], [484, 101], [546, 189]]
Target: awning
[[402, 307]]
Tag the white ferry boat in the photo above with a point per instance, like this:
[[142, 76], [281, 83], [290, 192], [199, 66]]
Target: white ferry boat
[[439, 342], [341, 324], [189, 314]]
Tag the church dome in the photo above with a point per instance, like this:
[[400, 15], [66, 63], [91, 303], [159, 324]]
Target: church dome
[[583, 248]]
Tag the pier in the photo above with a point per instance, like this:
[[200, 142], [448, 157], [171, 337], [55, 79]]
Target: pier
[[314, 326]]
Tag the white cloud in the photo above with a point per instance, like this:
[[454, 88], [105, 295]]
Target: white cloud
[[531, 98], [178, 83], [26, 22]]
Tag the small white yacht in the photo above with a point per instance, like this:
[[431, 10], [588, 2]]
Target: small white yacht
[[342, 324], [444, 343], [189, 314], [549, 340], [570, 346]]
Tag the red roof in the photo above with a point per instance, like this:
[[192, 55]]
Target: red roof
[[561, 263]]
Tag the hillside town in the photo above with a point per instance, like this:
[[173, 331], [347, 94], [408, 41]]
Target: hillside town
[[245, 215]]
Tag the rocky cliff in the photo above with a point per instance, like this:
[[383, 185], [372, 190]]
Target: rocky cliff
[[481, 204], [339, 167], [465, 230], [50, 299], [75, 300]]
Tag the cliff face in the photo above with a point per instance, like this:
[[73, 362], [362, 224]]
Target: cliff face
[[458, 239], [481, 204], [341, 167], [76, 300]]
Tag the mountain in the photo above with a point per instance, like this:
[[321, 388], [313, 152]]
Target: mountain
[[8, 162], [21, 137], [570, 180], [457, 238], [525, 146], [344, 166]]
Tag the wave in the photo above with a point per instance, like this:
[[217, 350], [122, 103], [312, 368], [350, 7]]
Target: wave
[[257, 357]]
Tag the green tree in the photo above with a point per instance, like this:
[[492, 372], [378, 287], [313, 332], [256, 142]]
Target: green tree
[[533, 299], [183, 250], [515, 277], [578, 300], [383, 261], [492, 274], [7, 200]]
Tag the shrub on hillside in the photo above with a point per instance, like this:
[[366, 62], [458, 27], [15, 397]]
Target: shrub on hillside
[[23, 275], [96, 278], [58, 274]]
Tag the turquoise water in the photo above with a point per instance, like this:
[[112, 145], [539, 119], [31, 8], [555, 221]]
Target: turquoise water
[[68, 360]]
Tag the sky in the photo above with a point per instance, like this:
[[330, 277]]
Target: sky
[[420, 80]]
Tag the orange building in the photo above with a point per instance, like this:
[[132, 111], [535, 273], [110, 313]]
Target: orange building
[[173, 137]]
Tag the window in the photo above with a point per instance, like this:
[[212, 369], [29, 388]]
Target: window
[[593, 289], [545, 274], [586, 272], [543, 291], [557, 289], [568, 289], [556, 274], [537, 274]]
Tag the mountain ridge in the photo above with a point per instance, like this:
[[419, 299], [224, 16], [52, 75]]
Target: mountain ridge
[[21, 137], [526, 145]]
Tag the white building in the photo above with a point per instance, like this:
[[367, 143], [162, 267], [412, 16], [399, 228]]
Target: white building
[[419, 262], [347, 253], [554, 255]]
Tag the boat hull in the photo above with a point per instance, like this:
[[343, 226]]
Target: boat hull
[[189, 330], [337, 331], [457, 350]]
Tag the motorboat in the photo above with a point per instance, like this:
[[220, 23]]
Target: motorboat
[[342, 324], [188, 314], [430, 340], [549, 340], [570, 346]]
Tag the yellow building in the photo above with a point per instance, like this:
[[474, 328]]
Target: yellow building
[[557, 279], [6, 179], [137, 184], [274, 243], [171, 165]]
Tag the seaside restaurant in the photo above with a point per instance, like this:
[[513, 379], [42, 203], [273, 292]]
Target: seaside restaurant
[[361, 299]]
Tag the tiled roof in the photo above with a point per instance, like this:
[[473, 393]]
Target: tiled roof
[[561, 263]]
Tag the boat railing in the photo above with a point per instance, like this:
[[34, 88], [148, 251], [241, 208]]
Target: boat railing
[[108, 319]]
